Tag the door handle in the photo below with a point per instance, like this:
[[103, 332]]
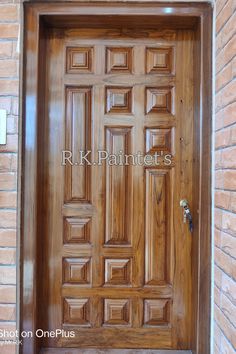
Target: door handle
[[187, 213]]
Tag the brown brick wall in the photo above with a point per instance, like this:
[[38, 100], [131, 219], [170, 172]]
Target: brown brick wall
[[9, 84], [225, 179]]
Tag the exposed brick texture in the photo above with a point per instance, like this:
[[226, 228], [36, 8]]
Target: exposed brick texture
[[225, 179], [9, 87]]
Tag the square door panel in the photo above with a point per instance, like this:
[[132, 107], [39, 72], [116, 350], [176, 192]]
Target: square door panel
[[117, 272], [158, 140], [77, 230], [156, 312], [118, 99], [76, 311], [119, 60], [117, 312], [76, 270], [79, 60], [159, 99], [159, 60]]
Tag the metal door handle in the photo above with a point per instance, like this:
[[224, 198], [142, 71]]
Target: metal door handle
[[187, 213]]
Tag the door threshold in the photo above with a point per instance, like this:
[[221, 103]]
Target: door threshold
[[111, 351]]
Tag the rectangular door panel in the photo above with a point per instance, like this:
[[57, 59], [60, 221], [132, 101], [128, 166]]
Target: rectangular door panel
[[157, 232], [78, 139], [118, 188]]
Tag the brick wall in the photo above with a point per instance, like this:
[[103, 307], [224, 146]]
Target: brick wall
[[225, 179], [9, 83]]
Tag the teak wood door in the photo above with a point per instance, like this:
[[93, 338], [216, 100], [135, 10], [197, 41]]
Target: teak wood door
[[115, 256]]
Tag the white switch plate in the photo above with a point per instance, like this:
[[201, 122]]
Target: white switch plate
[[3, 126]]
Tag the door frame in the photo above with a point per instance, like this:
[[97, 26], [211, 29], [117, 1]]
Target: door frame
[[35, 15]]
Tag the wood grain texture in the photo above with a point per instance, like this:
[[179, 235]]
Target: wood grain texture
[[118, 338], [117, 312], [77, 311], [54, 211], [119, 60], [156, 312], [79, 60], [118, 99], [117, 272], [28, 306], [160, 60], [76, 230], [159, 100], [77, 270], [159, 140], [204, 69], [134, 238], [118, 189], [184, 179], [78, 138], [158, 226]]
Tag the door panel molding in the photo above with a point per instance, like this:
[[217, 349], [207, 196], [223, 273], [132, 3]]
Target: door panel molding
[[38, 16]]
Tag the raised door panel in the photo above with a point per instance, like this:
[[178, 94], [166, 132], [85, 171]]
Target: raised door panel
[[117, 312], [77, 270], [159, 140], [160, 99], [160, 60], [79, 60], [118, 272], [156, 312], [118, 189], [118, 99], [158, 226], [77, 311], [78, 141], [77, 230], [119, 60]]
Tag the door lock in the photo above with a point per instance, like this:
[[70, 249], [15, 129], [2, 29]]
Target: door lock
[[187, 214]]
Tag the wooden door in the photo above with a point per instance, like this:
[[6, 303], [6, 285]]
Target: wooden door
[[115, 253]]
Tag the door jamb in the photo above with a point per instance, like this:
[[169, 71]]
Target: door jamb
[[33, 13]]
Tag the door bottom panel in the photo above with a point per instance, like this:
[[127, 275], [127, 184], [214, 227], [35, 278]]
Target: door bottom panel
[[111, 351]]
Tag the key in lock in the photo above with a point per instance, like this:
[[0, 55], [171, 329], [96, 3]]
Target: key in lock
[[187, 213]]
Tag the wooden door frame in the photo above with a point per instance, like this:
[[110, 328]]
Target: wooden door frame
[[34, 13]]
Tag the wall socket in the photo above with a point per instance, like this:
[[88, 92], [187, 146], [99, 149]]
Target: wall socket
[[3, 127]]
